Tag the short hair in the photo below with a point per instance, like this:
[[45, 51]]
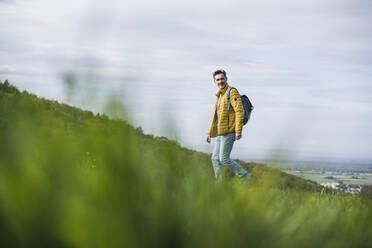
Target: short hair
[[219, 71]]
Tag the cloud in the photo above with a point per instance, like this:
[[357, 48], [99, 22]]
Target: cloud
[[346, 96], [284, 53], [7, 1], [7, 70]]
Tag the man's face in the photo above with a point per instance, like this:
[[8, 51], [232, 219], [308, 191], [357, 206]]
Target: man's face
[[220, 80]]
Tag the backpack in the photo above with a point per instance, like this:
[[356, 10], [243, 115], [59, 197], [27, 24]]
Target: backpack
[[247, 105]]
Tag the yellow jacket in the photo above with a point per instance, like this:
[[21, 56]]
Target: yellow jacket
[[228, 121]]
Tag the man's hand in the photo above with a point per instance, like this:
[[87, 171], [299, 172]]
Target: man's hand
[[238, 136], [208, 138]]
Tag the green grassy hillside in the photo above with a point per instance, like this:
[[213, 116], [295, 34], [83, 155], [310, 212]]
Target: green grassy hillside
[[74, 122], [69, 178]]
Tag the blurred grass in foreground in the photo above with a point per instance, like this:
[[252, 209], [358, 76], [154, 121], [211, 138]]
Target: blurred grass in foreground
[[69, 178]]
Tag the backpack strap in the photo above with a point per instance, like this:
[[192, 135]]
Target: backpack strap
[[228, 97], [228, 104]]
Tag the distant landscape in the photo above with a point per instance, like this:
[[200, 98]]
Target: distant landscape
[[328, 172], [336, 173], [340, 170]]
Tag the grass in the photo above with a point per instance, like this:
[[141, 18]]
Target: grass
[[69, 178]]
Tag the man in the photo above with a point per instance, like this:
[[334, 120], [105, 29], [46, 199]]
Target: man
[[227, 126]]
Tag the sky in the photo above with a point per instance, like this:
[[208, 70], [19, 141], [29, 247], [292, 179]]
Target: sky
[[305, 65]]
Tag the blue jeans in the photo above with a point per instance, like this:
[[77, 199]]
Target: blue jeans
[[221, 157]]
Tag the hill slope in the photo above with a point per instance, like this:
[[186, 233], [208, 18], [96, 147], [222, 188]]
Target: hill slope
[[74, 121], [69, 178]]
